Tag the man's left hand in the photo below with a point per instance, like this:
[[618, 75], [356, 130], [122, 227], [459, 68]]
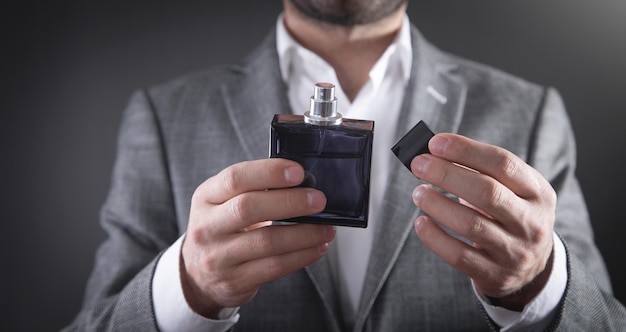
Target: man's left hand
[[506, 209]]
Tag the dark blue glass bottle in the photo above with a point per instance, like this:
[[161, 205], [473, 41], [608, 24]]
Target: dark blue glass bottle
[[336, 154]]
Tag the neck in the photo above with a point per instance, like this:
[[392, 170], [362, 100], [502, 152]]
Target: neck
[[352, 51]]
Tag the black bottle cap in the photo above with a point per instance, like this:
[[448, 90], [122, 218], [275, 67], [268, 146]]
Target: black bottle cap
[[414, 143]]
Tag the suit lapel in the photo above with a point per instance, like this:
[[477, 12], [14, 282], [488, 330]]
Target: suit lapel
[[254, 97], [433, 95], [321, 276]]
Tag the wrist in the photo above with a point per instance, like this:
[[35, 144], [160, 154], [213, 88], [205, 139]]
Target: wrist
[[517, 300], [198, 303]]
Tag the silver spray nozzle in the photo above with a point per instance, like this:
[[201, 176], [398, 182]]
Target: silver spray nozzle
[[323, 109]]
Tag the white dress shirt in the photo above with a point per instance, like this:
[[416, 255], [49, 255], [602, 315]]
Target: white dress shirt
[[379, 100]]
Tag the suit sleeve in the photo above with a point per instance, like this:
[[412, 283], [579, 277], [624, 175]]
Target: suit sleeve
[[587, 304], [138, 217]]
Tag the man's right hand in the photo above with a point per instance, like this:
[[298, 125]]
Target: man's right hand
[[229, 253]]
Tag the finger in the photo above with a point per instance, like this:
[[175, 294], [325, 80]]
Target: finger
[[462, 220], [491, 160], [458, 254], [250, 208], [277, 240], [478, 189], [267, 269], [250, 176]]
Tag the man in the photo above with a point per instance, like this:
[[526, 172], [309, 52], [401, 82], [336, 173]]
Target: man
[[190, 246]]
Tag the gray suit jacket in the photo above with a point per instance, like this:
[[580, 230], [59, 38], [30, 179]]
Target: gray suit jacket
[[176, 135]]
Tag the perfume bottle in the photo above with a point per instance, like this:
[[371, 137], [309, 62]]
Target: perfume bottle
[[336, 154]]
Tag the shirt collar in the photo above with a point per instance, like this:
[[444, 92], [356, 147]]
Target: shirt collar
[[400, 52]]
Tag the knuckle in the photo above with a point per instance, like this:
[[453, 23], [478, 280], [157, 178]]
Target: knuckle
[[227, 288], [492, 195], [263, 241], [239, 207], [506, 283], [211, 264], [464, 259], [200, 194], [507, 164], [232, 179], [549, 196], [523, 258], [195, 235], [476, 225], [537, 233], [536, 229], [274, 266]]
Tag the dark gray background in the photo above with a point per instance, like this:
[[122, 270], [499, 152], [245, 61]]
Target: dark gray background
[[68, 69]]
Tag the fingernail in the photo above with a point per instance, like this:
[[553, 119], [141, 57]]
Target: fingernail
[[293, 174], [329, 231], [438, 144], [323, 248], [315, 199], [419, 223], [417, 193], [420, 163]]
